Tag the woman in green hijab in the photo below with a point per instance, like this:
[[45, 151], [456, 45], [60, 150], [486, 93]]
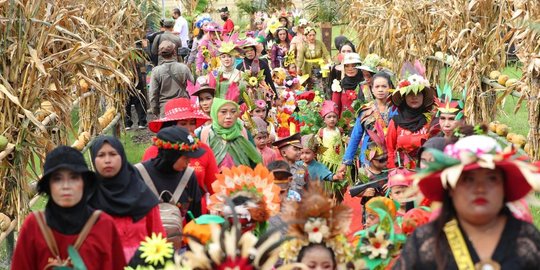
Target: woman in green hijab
[[228, 138]]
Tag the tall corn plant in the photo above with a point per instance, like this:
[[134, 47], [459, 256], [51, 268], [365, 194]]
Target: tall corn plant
[[526, 24], [46, 48]]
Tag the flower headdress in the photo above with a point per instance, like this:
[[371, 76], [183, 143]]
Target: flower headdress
[[253, 189], [373, 63], [414, 81], [162, 144], [445, 103], [272, 25], [379, 243], [473, 152], [230, 45], [377, 145], [232, 249], [316, 219], [202, 19]]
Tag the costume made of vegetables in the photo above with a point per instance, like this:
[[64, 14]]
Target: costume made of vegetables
[[231, 146], [411, 127], [308, 58], [367, 118]]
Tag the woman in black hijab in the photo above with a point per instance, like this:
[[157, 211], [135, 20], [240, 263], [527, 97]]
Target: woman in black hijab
[[68, 183], [123, 194]]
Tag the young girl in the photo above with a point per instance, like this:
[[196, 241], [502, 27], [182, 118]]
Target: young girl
[[399, 183], [330, 137]]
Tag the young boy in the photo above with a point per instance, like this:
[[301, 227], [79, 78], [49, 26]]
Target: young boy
[[260, 136], [399, 183], [373, 171], [289, 149], [317, 171]]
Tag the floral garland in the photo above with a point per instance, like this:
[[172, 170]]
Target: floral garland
[[414, 83], [161, 144]]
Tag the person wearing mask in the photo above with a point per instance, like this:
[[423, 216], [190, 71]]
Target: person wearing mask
[[67, 219], [122, 194], [180, 27], [167, 35], [228, 26], [168, 80]]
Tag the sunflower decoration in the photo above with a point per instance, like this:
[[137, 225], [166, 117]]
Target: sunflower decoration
[[290, 59], [317, 219], [153, 253], [253, 80], [253, 193]]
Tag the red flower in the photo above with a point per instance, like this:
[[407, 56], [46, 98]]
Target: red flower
[[404, 83], [308, 95], [175, 146], [167, 145], [351, 94]]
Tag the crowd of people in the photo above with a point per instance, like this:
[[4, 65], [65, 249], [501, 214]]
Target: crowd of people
[[269, 152]]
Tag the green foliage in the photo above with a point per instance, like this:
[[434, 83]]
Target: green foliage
[[151, 11], [250, 7], [324, 11]]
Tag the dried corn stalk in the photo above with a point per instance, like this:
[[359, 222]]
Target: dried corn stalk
[[46, 48], [527, 42]]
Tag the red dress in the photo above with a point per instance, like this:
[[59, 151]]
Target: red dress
[[133, 233], [398, 138], [205, 169], [101, 250]]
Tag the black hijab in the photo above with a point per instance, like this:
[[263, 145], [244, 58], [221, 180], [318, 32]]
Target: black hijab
[[66, 220], [126, 194], [350, 83], [409, 118]]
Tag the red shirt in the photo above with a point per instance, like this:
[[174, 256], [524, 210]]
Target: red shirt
[[205, 169], [133, 233], [405, 140], [101, 250], [228, 27]]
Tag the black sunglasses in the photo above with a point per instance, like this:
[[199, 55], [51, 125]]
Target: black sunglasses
[[384, 159]]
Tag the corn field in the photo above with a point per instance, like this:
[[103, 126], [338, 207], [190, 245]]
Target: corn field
[[58, 58], [472, 38]]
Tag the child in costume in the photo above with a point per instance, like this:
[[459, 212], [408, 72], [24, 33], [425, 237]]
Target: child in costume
[[331, 137], [317, 171], [289, 148], [375, 170], [207, 54], [399, 182], [260, 136], [253, 193], [318, 226]]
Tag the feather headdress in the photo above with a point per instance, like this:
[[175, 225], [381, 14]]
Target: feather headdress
[[445, 103], [377, 145], [254, 187], [317, 219]]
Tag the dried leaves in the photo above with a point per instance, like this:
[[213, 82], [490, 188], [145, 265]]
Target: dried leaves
[[46, 48]]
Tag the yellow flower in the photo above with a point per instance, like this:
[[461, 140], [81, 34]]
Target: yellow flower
[[253, 81], [156, 249]]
